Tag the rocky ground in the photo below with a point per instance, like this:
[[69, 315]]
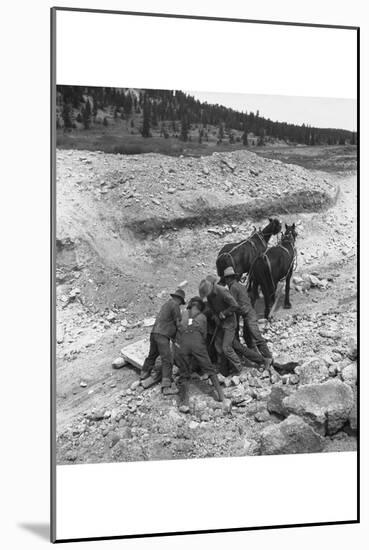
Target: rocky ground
[[112, 278]]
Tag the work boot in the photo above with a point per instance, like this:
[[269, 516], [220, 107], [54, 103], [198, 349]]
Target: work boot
[[217, 387], [167, 387], [227, 403], [145, 373], [150, 381], [183, 398]]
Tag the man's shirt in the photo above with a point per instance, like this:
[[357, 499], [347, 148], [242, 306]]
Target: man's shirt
[[239, 293], [168, 319]]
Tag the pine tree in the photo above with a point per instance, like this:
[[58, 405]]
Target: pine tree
[[184, 129], [94, 110], [146, 121], [220, 133], [244, 135], [67, 116], [86, 115]]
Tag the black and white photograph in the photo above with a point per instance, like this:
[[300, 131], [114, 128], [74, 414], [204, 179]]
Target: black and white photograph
[[184, 201], [206, 274], [205, 293]]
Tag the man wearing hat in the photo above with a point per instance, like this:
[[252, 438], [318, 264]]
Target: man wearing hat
[[191, 346], [251, 331], [163, 331], [223, 308]]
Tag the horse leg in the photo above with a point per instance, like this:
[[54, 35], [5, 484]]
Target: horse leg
[[287, 303], [267, 294], [254, 292]]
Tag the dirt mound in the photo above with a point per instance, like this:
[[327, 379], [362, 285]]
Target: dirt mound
[[150, 194]]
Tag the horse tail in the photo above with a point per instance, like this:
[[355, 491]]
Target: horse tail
[[270, 286]]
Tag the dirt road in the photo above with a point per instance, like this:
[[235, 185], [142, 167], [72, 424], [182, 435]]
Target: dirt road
[[100, 418]]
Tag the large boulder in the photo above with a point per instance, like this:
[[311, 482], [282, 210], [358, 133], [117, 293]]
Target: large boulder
[[291, 436], [349, 374], [326, 407], [275, 400], [313, 371]]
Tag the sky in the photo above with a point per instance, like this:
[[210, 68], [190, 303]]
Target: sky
[[320, 112]]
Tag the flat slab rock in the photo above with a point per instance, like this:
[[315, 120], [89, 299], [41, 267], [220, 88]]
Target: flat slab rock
[[326, 407], [291, 436], [136, 353]]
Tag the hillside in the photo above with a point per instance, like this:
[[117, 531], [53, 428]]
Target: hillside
[[131, 121]]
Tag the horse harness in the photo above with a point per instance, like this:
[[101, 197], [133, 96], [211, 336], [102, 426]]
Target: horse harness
[[248, 240], [292, 265]]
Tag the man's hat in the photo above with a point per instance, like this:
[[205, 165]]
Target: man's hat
[[196, 300], [205, 288], [229, 271], [180, 294]]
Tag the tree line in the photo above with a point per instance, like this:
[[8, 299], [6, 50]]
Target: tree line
[[177, 113]]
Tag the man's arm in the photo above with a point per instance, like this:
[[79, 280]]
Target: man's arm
[[231, 303], [176, 315], [240, 295]]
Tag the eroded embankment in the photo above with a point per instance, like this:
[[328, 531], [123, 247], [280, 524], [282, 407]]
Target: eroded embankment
[[303, 201], [151, 194]]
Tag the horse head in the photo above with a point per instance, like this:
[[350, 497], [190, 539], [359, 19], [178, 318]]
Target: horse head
[[290, 232], [273, 228]]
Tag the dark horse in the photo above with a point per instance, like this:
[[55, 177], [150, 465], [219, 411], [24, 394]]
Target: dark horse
[[242, 255], [275, 264]]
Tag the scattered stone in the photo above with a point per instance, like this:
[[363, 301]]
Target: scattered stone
[[111, 317], [118, 363], [74, 292], [325, 406], [291, 436], [83, 384], [96, 415], [314, 281], [193, 425], [352, 352], [329, 334], [250, 446], [71, 456], [275, 400], [231, 166], [235, 380], [262, 416], [114, 440], [349, 374], [312, 372], [221, 378], [332, 370], [60, 333], [149, 322]]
